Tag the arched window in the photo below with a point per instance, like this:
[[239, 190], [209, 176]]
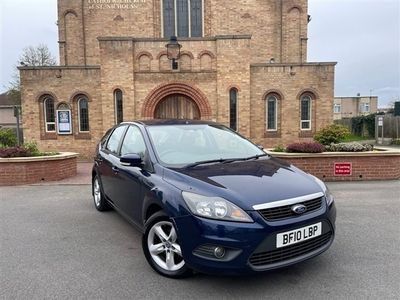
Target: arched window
[[119, 106], [49, 115], [182, 18], [305, 112], [83, 114], [271, 111], [233, 93], [63, 106]]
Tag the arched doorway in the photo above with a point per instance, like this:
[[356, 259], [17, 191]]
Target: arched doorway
[[177, 106]]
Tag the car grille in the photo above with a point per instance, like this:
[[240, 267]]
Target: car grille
[[289, 252], [283, 212]]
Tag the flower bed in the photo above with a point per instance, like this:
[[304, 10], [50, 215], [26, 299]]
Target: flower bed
[[28, 170], [346, 166]]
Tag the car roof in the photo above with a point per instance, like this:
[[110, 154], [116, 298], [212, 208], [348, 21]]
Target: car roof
[[155, 122]]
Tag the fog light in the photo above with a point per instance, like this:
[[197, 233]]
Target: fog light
[[219, 252]]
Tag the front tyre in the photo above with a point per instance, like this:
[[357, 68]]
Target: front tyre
[[161, 247], [98, 197]]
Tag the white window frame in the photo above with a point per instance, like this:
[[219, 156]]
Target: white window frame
[[45, 115], [335, 106], [310, 113], [176, 19], [79, 114], [276, 113]]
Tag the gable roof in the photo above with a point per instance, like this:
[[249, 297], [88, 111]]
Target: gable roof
[[5, 100]]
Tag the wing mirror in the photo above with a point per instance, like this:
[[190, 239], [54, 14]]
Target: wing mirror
[[131, 160]]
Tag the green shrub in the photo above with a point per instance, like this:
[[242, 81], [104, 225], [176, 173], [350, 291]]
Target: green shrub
[[396, 142], [7, 138], [349, 147], [333, 133], [32, 149], [279, 148]]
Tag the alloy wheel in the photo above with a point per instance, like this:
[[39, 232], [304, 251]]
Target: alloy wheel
[[162, 243]]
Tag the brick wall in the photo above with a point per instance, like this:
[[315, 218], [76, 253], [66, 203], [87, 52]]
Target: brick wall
[[364, 166], [22, 171]]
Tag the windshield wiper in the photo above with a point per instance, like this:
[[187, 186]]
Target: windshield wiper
[[203, 162], [245, 158]]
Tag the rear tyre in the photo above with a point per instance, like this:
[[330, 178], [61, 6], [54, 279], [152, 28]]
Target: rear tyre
[[161, 247], [98, 197]]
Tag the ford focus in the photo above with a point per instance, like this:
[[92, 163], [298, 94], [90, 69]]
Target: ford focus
[[208, 200]]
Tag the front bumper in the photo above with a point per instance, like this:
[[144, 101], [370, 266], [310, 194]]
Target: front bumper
[[251, 247]]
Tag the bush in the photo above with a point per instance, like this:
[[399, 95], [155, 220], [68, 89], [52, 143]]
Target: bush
[[396, 142], [279, 148], [7, 138], [31, 147], [305, 148], [333, 133], [349, 147], [13, 152]]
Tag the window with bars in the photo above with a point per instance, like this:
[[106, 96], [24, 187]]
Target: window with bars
[[49, 115], [272, 113], [83, 117], [182, 18], [233, 94], [119, 106], [305, 111]]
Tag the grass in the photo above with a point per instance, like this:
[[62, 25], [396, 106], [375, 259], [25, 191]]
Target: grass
[[355, 138]]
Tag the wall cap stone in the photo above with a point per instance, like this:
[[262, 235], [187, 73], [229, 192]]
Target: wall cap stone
[[62, 155]]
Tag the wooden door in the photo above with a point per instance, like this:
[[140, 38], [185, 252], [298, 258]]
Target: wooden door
[[177, 107]]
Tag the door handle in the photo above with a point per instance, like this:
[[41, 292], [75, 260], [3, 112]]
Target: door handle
[[115, 169]]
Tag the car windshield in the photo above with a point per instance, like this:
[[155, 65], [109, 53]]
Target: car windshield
[[184, 145]]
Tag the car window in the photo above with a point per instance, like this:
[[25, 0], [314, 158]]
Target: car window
[[133, 142], [113, 141], [103, 141]]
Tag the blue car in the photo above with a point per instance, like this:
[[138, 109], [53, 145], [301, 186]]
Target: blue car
[[208, 200]]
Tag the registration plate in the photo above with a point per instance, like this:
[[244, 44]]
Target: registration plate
[[298, 235]]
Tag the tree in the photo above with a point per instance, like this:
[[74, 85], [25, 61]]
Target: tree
[[38, 56]]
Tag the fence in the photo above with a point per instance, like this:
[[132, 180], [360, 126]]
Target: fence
[[387, 128]]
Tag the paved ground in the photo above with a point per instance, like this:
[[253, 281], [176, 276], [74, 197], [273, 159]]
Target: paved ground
[[55, 245]]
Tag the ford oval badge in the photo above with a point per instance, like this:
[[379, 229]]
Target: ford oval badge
[[299, 209]]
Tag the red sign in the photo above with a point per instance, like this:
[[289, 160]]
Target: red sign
[[343, 169]]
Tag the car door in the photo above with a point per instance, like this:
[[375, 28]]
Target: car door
[[131, 190], [110, 162]]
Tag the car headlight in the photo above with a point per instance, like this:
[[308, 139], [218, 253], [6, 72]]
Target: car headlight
[[215, 208], [328, 196]]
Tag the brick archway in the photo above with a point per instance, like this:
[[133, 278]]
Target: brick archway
[[164, 90]]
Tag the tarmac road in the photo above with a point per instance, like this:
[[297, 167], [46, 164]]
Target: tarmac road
[[54, 244]]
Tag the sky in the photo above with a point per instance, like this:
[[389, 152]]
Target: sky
[[363, 36]]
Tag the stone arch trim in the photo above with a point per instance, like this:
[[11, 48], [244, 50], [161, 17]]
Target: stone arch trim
[[233, 87], [145, 53], [74, 97], [42, 95], [273, 92], [70, 11], [310, 92], [161, 54], [64, 102], [190, 54], [186, 89], [295, 7], [206, 52]]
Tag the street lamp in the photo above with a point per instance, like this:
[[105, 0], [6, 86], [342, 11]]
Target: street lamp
[[173, 51]]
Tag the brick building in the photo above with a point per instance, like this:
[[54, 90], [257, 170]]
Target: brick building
[[242, 63], [348, 107]]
